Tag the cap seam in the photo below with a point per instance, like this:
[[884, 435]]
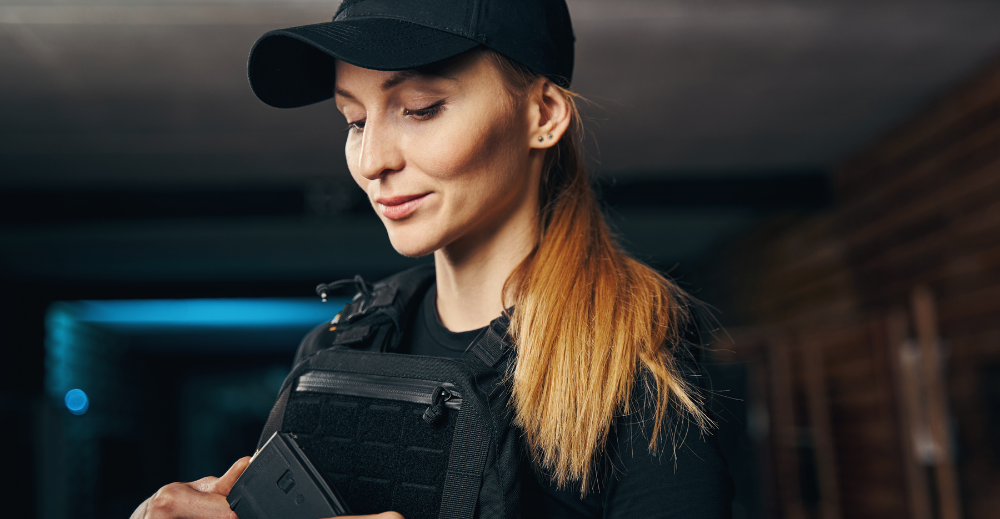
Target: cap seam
[[380, 16], [474, 20], [332, 32], [357, 10]]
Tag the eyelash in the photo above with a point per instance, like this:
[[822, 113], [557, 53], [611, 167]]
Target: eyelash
[[421, 114], [424, 114]]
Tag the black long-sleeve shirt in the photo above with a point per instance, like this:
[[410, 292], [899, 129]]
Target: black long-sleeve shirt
[[632, 483]]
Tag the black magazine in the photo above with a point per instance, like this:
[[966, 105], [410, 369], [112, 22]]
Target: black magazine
[[280, 482]]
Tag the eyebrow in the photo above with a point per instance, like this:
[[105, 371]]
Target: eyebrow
[[394, 80], [399, 77]]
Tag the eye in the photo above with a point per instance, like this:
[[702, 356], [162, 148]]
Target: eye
[[358, 125], [422, 114]]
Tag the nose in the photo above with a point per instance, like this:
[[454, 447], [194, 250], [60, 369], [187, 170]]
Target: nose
[[380, 150]]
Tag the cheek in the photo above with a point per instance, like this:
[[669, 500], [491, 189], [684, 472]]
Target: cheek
[[475, 159], [495, 167]]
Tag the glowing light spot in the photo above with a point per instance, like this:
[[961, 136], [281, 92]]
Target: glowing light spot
[[205, 313], [77, 401]]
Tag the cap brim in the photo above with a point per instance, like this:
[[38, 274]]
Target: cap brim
[[294, 67]]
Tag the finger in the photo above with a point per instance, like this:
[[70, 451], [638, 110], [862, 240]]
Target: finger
[[226, 482], [204, 484]]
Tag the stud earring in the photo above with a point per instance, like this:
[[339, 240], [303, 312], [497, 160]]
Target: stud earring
[[550, 135], [540, 139]]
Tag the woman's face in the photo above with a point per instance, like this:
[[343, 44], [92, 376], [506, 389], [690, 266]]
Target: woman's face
[[441, 156]]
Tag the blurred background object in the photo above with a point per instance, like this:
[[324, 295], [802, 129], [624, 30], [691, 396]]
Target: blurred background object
[[825, 173]]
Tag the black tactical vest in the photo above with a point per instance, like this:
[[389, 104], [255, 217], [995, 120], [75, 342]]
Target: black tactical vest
[[427, 437]]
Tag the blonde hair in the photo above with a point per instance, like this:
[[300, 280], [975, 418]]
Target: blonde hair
[[589, 322]]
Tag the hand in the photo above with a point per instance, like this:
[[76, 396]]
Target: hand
[[202, 499]]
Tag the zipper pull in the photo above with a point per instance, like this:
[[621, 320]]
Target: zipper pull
[[437, 409]]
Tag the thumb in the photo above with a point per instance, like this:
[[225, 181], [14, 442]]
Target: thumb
[[224, 484]]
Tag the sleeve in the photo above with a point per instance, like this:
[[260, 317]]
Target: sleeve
[[693, 484]]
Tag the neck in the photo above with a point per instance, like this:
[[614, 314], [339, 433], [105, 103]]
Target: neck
[[471, 272]]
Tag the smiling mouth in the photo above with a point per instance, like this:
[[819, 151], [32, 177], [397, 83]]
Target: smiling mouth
[[399, 207]]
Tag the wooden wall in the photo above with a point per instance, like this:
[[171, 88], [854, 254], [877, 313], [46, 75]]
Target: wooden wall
[[874, 328], [922, 207]]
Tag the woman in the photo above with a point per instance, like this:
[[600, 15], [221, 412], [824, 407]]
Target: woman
[[464, 136]]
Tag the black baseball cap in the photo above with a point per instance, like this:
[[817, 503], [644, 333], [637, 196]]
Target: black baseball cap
[[294, 67]]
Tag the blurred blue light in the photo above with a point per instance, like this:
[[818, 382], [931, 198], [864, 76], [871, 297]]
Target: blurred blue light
[[220, 313], [77, 401]]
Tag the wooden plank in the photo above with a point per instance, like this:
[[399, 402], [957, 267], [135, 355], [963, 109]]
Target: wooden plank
[[974, 346], [908, 407], [887, 213], [964, 230], [975, 156], [963, 271], [868, 467], [785, 435], [935, 396], [759, 424], [850, 367], [983, 302], [969, 231], [822, 435], [923, 164], [875, 432]]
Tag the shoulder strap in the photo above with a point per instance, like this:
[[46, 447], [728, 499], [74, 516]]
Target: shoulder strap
[[491, 359], [407, 289], [493, 346]]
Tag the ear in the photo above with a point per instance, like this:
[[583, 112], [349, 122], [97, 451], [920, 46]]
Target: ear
[[550, 115]]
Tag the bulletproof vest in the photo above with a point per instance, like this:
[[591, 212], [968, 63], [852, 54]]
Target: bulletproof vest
[[427, 437]]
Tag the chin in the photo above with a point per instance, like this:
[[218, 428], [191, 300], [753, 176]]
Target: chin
[[413, 241]]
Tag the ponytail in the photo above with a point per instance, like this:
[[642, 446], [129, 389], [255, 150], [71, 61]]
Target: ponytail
[[589, 322]]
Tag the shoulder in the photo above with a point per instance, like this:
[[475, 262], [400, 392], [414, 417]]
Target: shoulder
[[685, 475], [393, 297]]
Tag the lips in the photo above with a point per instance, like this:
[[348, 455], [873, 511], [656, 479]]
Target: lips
[[399, 207]]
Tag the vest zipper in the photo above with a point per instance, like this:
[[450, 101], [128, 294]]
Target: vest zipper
[[429, 392]]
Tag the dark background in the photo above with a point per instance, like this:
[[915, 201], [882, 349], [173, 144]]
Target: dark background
[[136, 164]]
